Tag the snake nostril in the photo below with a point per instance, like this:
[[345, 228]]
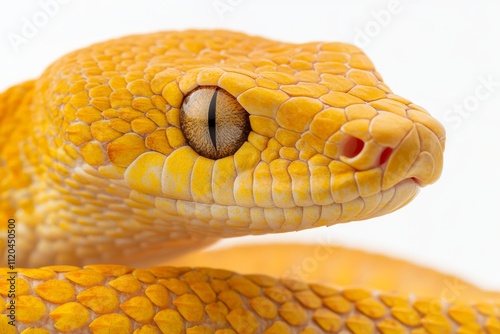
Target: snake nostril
[[385, 155], [351, 147]]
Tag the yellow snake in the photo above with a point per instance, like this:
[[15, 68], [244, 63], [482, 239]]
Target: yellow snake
[[140, 148]]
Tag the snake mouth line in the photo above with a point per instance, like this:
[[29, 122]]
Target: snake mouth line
[[419, 182], [233, 220]]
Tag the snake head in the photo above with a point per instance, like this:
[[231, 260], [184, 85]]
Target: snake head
[[220, 133]]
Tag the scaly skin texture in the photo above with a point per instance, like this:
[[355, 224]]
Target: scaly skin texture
[[119, 299], [97, 169], [104, 152]]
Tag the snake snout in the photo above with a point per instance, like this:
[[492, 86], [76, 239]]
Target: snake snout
[[403, 148], [419, 157]]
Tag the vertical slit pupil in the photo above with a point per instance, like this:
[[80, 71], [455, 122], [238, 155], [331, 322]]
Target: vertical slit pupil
[[212, 109]]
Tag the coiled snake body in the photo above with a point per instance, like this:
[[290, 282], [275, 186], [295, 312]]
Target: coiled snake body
[[141, 148]]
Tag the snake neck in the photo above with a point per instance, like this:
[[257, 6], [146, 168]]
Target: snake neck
[[17, 153], [14, 107]]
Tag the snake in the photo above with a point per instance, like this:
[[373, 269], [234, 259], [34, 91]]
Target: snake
[[140, 149]]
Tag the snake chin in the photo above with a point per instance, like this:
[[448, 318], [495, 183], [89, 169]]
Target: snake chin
[[402, 194], [411, 187]]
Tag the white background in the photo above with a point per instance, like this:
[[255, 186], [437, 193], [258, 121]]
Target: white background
[[436, 55]]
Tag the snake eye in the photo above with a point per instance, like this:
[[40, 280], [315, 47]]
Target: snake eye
[[214, 123]]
